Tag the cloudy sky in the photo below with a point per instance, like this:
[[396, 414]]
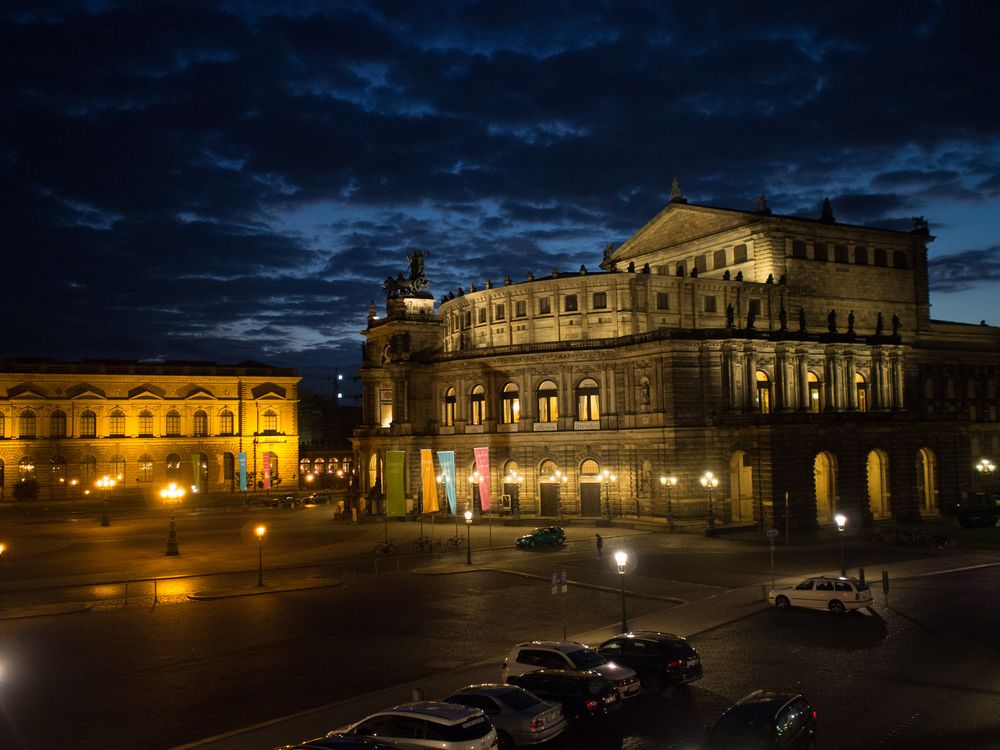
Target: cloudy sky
[[227, 181]]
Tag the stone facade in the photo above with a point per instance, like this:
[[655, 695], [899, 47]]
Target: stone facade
[[794, 359], [69, 424]]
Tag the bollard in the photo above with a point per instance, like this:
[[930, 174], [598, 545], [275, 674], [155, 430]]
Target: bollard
[[105, 518], [417, 694], [172, 548], [861, 575]]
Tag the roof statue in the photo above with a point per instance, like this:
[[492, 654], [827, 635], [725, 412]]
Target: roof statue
[[414, 286], [676, 196], [762, 207], [826, 213]]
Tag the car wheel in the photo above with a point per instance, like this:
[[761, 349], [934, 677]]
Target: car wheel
[[506, 741], [653, 683], [837, 607], [782, 603]]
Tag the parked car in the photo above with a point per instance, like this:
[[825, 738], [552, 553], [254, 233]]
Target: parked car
[[583, 695], [427, 724], [765, 719], [338, 742], [660, 659], [317, 498], [520, 717], [541, 536], [280, 501], [823, 592], [527, 657], [979, 510]]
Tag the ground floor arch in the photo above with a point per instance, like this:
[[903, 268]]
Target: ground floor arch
[[927, 490], [825, 478], [741, 486], [878, 485]]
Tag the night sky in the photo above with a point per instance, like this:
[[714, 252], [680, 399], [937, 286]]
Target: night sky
[[231, 182]]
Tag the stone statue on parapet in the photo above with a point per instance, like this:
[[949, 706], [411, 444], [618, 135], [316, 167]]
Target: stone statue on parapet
[[879, 325], [730, 315], [831, 321], [676, 196], [896, 324], [850, 322], [414, 286], [783, 318]]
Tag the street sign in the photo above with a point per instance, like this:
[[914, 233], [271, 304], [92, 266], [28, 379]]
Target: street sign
[[562, 580], [555, 587], [885, 582], [772, 533]]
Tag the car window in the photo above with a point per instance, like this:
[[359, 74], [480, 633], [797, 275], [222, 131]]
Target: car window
[[376, 726], [844, 586], [741, 728], [596, 686], [824, 585], [472, 729], [586, 658], [535, 658], [409, 727], [613, 647], [788, 717], [519, 699], [804, 586], [476, 701]]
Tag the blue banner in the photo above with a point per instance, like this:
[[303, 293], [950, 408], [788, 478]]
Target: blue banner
[[242, 457], [447, 461]]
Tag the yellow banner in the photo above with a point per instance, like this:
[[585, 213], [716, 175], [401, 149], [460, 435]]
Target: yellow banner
[[428, 483]]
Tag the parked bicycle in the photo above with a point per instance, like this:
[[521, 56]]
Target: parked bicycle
[[454, 542], [427, 544], [385, 548]]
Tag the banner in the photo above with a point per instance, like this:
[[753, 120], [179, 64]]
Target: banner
[[483, 467], [447, 461], [395, 500], [267, 470], [242, 457], [427, 483]]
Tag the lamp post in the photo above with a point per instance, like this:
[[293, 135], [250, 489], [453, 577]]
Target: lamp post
[[515, 479], [560, 479], [985, 467], [606, 477], [709, 481], [172, 494], [669, 483], [474, 478], [260, 531], [468, 540], [841, 520], [3, 548], [105, 484], [621, 557]]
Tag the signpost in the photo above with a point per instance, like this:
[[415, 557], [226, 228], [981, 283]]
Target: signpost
[[559, 586], [772, 534], [885, 586]]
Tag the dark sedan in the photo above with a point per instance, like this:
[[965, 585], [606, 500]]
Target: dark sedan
[[541, 536], [660, 659], [765, 719], [583, 695]]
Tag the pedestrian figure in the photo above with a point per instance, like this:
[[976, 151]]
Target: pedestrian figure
[[600, 543]]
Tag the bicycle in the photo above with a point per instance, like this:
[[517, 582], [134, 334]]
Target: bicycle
[[426, 544], [454, 542], [385, 548]]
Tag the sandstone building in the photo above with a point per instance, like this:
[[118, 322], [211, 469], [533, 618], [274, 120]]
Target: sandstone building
[[69, 425], [794, 359]]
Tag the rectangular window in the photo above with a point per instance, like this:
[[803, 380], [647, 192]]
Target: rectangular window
[[755, 306], [117, 425], [482, 314], [740, 254], [600, 300], [861, 255], [880, 256], [709, 304], [520, 308], [88, 425], [719, 259], [173, 424], [799, 249], [468, 320], [146, 424], [662, 301], [569, 303], [544, 306], [701, 263], [840, 253], [819, 251], [499, 312]]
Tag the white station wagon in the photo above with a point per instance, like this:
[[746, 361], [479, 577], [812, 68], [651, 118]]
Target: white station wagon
[[823, 592]]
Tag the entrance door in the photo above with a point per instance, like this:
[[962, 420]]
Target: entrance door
[[549, 499], [514, 490], [590, 499]]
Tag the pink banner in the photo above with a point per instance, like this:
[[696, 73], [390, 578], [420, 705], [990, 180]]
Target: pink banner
[[267, 470], [483, 467]]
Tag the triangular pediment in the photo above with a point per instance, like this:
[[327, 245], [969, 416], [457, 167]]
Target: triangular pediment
[[678, 224], [86, 390], [147, 391], [198, 393], [27, 391], [268, 391]]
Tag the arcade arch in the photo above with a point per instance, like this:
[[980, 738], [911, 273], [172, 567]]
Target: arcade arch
[[825, 474], [878, 484]]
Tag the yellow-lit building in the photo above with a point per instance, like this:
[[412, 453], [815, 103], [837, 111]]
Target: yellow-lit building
[[133, 427], [795, 360]]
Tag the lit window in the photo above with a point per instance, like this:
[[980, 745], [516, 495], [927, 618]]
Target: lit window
[[450, 407], [173, 466], [57, 424], [815, 404], [478, 405], [510, 411], [861, 388], [26, 469], [269, 422], [173, 423], [116, 423], [145, 423], [200, 423], [88, 424], [548, 402], [226, 422], [145, 468], [58, 464], [588, 401], [763, 393]]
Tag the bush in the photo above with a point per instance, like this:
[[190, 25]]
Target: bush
[[905, 536]]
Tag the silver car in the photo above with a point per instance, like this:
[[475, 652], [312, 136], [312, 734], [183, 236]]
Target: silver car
[[520, 717], [426, 724]]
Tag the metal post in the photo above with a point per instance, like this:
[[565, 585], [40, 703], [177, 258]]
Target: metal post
[[260, 559], [468, 542], [624, 616]]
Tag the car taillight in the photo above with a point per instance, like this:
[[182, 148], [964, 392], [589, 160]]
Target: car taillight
[[675, 663], [591, 704], [536, 723], [814, 714]]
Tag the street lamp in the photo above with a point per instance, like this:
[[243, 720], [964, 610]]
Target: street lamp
[[841, 520], [621, 557], [607, 477], [172, 494], [260, 530], [3, 548], [468, 541], [515, 478], [669, 483], [985, 467], [474, 479], [709, 481], [560, 479], [105, 484]]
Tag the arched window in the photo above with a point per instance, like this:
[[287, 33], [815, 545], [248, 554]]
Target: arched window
[[26, 469], [588, 397], [510, 404], [305, 467], [173, 466], [173, 423], [763, 393], [57, 424], [118, 467], [547, 471], [202, 479], [26, 424], [116, 423], [548, 402], [200, 423], [590, 468], [145, 468], [861, 391], [88, 424], [58, 471], [477, 403], [3, 426], [450, 406], [269, 422], [272, 465], [89, 470], [145, 423], [815, 404], [225, 422]]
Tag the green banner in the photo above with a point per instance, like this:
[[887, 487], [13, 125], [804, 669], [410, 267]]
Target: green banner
[[395, 500]]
